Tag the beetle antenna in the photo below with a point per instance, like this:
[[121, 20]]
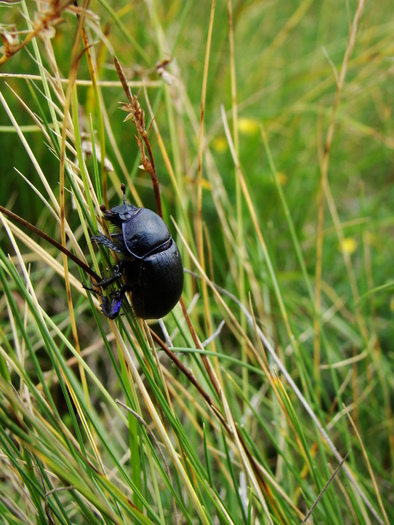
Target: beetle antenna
[[123, 188]]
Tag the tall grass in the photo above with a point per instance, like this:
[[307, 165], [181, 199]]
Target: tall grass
[[266, 395]]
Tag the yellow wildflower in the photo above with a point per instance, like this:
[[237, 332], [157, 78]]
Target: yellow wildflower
[[349, 245], [248, 126], [219, 144]]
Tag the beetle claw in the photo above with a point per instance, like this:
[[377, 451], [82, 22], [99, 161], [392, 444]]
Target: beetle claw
[[111, 308]]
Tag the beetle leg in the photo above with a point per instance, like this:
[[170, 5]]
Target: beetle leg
[[110, 306], [116, 235], [117, 274], [108, 243]]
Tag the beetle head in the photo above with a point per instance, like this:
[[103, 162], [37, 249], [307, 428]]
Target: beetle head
[[119, 214]]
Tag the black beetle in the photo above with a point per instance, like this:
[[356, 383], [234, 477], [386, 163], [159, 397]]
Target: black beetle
[[150, 262]]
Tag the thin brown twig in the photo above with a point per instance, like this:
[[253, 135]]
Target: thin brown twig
[[190, 376], [137, 115], [52, 241], [215, 409]]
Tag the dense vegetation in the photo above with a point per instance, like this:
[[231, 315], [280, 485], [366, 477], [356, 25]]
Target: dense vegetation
[[266, 395]]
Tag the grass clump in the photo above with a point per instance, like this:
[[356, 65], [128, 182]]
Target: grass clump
[[265, 396]]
